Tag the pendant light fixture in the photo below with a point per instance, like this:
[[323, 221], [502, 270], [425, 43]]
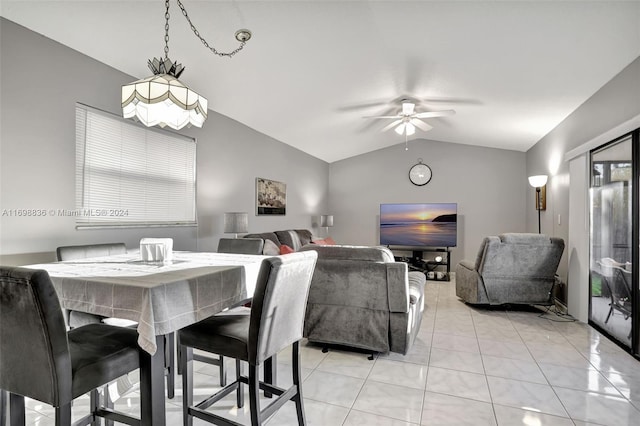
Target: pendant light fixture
[[163, 100]]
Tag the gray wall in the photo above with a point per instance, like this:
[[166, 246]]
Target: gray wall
[[41, 80], [616, 102], [488, 184]]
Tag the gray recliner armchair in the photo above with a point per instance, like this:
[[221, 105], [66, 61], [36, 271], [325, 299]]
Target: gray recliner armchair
[[361, 297], [511, 268]]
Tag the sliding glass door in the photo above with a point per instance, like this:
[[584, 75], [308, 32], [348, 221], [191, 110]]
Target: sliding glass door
[[612, 199]]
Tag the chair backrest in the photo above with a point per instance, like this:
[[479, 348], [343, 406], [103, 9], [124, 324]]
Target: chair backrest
[[279, 304], [355, 253], [521, 255], [241, 245], [90, 250], [34, 352]]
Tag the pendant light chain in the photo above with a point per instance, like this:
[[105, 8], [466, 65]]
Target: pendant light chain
[[241, 35], [166, 30]]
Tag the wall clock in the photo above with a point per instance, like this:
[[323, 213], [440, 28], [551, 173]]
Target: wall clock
[[420, 174]]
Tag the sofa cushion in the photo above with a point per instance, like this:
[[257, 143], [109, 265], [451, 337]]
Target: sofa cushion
[[270, 248], [265, 236], [305, 236], [289, 238]]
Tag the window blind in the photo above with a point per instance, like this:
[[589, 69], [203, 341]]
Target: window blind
[[128, 175]]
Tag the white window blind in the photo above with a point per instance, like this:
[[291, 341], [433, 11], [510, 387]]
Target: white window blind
[[128, 175]]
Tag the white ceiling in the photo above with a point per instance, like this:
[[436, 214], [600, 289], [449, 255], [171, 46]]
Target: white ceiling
[[512, 70]]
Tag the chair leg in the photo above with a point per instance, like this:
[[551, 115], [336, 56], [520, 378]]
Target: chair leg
[[186, 366], [169, 362], [94, 404], [254, 395], [108, 403], [223, 373], [16, 410], [297, 374], [239, 391], [63, 415], [610, 313], [3, 407], [270, 373]]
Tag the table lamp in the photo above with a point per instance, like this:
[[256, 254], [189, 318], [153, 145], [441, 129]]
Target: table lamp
[[236, 222], [326, 221]]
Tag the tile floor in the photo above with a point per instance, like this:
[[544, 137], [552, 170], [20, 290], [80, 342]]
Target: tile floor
[[468, 367]]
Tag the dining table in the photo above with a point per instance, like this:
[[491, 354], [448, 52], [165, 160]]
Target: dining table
[[162, 297]]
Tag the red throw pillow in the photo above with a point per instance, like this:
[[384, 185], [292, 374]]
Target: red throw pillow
[[285, 249], [326, 242]]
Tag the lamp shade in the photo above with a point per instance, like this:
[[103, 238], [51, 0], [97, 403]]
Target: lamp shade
[[538, 181], [236, 222], [163, 100], [326, 220]]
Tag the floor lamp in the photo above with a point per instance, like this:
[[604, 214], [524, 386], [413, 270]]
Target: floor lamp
[[538, 182]]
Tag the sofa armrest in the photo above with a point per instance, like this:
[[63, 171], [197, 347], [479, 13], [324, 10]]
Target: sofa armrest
[[398, 287]]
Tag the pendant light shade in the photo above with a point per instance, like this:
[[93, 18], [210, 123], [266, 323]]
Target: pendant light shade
[[163, 100]]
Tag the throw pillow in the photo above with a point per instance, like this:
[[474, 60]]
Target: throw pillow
[[270, 248], [326, 242], [285, 249]]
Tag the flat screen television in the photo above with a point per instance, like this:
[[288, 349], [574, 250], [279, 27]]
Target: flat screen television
[[419, 225]]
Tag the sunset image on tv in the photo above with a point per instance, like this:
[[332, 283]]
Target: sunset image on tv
[[426, 225]]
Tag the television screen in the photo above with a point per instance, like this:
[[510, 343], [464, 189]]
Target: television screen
[[419, 225]]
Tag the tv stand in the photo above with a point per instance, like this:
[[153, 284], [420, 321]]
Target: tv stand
[[434, 269]]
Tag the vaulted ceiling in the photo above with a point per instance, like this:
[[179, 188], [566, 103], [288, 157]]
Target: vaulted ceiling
[[512, 70]]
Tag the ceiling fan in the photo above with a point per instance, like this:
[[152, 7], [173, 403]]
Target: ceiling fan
[[407, 120]]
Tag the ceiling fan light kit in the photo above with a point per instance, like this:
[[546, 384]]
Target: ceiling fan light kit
[[406, 121], [163, 100]]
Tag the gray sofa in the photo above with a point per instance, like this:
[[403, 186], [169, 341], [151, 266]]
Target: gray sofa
[[360, 297], [511, 268], [294, 238]]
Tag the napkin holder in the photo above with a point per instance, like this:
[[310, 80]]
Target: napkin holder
[[156, 249]]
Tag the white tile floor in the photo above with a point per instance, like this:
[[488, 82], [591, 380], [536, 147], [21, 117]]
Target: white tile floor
[[468, 366]]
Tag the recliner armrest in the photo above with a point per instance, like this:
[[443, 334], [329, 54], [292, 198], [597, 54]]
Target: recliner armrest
[[467, 264]]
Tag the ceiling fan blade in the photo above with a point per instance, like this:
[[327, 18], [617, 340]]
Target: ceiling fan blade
[[434, 113], [421, 125], [391, 125], [381, 116]]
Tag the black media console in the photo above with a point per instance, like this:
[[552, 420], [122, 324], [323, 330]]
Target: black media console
[[436, 265]]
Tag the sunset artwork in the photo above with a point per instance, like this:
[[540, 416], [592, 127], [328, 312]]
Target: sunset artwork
[[421, 225]]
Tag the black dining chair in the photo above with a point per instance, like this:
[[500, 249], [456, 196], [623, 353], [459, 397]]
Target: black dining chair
[[42, 361], [78, 319], [241, 245], [64, 253], [275, 322]]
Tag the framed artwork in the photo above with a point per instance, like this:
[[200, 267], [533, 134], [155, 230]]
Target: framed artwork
[[271, 197]]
